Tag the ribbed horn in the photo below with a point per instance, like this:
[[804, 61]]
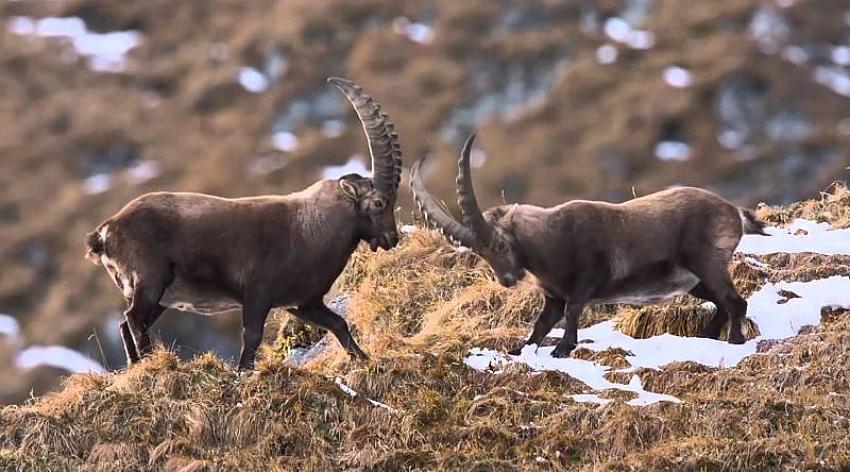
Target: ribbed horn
[[380, 133], [472, 217], [434, 212]]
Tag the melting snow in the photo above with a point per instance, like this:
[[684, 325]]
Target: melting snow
[[418, 32], [775, 321], [801, 236], [285, 141], [835, 78], [333, 128], [795, 55], [9, 327], [97, 183], [355, 165], [673, 151], [770, 29], [841, 55], [143, 171], [621, 31], [59, 357], [776, 316], [106, 51], [606, 54], [677, 77], [350, 391], [253, 80]]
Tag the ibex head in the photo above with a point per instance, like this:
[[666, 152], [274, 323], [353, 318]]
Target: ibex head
[[488, 234], [374, 197]]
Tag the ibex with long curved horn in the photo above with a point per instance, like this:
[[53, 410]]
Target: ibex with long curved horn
[[643, 251], [208, 254]]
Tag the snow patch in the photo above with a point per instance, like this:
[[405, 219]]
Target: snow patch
[[285, 141], [415, 31], [352, 393], [97, 183], [355, 165], [253, 80], [673, 151], [776, 317], [835, 78], [677, 77], [9, 327], [621, 31], [106, 51], [143, 171], [801, 236], [606, 54], [59, 357]]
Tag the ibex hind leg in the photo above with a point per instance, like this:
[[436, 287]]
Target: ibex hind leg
[[715, 325], [717, 284]]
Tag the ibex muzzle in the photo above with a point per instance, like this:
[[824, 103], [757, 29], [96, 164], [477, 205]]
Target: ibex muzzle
[[208, 254], [646, 250]]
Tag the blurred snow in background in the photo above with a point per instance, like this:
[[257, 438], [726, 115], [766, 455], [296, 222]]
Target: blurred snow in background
[[106, 51]]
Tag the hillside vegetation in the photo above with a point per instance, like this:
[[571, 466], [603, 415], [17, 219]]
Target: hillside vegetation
[[571, 99], [415, 405]]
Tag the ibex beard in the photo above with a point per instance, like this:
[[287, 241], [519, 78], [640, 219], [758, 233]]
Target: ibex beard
[[643, 251], [208, 255]]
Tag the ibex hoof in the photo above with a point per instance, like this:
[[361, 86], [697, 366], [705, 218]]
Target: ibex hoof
[[736, 338], [358, 356], [562, 350]]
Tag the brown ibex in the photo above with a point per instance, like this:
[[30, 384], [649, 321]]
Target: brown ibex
[[207, 254], [643, 251]]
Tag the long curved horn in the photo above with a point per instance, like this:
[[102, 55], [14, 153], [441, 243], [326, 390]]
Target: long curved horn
[[434, 212], [380, 133], [472, 217]]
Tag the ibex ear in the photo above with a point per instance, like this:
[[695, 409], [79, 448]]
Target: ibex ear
[[349, 189]]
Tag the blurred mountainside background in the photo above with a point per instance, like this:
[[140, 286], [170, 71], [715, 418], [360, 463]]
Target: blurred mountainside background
[[103, 100]]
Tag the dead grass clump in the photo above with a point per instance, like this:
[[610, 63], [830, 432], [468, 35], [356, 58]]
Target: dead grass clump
[[619, 377], [397, 288], [832, 207], [680, 319], [612, 357], [805, 267], [747, 276], [112, 456], [617, 395]]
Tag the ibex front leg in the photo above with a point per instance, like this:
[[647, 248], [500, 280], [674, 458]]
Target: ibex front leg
[[568, 342], [254, 314], [553, 311], [318, 314]]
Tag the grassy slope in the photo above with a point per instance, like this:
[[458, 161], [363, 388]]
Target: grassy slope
[[417, 310]]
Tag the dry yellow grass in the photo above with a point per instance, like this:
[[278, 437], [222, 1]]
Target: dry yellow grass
[[417, 310]]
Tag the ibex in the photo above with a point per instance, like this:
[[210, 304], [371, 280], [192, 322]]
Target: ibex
[[207, 254], [643, 251]]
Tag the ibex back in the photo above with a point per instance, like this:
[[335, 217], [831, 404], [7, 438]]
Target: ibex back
[[208, 254], [646, 250]]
